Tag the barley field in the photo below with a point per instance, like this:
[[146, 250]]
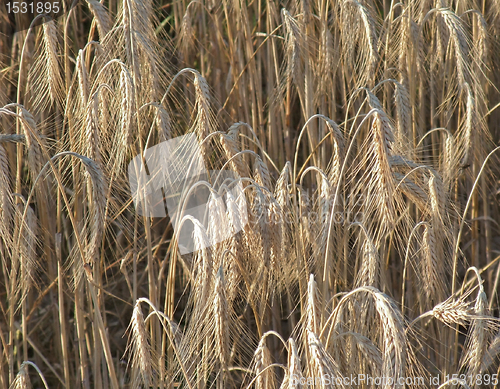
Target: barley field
[[348, 154]]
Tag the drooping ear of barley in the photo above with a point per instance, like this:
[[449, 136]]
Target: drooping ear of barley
[[92, 130], [6, 201], [97, 200], [28, 252], [491, 353], [321, 216], [202, 123], [135, 41], [437, 200], [275, 219], [22, 380], [450, 160], [234, 130], [371, 353], [478, 341], [83, 78], [262, 173], [218, 228], [140, 348], [236, 246], [262, 358], [260, 245], [281, 190], [230, 149], [320, 363], [221, 318], [325, 196], [34, 149], [470, 123], [304, 208], [101, 16], [293, 375], [186, 33], [338, 153], [481, 332], [437, 239], [284, 222], [326, 59], [45, 75], [396, 352], [359, 17], [234, 214], [431, 269], [453, 311], [127, 108], [313, 315], [129, 26], [381, 199], [294, 44], [412, 190], [369, 273], [458, 38], [202, 261], [403, 113], [373, 100], [395, 341], [164, 125]]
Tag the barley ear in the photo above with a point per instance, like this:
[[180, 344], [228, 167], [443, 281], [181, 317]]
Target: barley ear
[[262, 173], [221, 316], [6, 201], [101, 16], [140, 348], [313, 323], [45, 74], [22, 380], [262, 357]]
